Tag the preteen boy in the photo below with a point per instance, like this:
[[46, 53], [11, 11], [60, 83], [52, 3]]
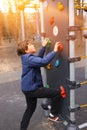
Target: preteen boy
[[31, 79]]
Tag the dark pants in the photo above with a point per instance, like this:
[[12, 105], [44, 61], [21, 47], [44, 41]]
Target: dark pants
[[31, 101]]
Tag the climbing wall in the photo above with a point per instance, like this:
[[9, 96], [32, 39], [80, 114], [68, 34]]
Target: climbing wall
[[56, 28]]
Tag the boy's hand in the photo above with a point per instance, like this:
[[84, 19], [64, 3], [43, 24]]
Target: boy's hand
[[56, 46]]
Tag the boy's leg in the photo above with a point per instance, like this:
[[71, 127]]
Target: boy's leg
[[55, 95], [44, 93], [31, 105]]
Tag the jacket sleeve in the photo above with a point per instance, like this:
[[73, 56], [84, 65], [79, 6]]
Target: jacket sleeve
[[35, 61], [41, 52]]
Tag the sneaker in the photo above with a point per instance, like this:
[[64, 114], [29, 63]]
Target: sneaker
[[63, 92], [54, 118]]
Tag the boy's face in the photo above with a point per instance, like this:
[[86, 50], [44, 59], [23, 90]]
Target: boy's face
[[31, 48]]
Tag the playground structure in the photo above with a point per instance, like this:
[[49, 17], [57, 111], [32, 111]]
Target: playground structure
[[58, 23], [69, 49]]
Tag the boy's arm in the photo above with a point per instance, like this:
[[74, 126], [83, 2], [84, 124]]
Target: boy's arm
[[35, 61], [42, 50]]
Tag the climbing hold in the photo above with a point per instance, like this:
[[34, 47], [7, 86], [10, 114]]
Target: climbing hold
[[48, 66], [57, 63], [48, 42], [55, 30], [63, 92], [85, 8], [20, 5], [47, 86], [51, 20], [60, 6], [45, 4], [60, 47]]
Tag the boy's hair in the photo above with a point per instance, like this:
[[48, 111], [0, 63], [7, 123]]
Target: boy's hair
[[22, 46]]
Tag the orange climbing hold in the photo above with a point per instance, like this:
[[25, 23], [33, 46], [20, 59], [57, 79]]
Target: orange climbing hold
[[63, 92]]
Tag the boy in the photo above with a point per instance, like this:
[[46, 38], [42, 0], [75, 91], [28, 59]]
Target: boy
[[31, 80]]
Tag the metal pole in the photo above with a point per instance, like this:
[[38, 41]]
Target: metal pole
[[86, 46], [81, 126], [85, 124], [72, 125], [42, 19], [37, 27], [43, 71], [42, 37], [72, 54], [22, 25]]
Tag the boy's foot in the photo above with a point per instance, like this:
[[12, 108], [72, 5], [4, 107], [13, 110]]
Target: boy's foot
[[54, 118], [63, 92]]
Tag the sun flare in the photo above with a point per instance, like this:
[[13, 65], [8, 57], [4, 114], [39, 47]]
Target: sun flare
[[5, 4]]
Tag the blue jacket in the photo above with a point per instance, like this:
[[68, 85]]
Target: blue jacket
[[31, 74]]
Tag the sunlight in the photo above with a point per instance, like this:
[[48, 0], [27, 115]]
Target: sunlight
[[30, 10], [4, 5], [34, 4]]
